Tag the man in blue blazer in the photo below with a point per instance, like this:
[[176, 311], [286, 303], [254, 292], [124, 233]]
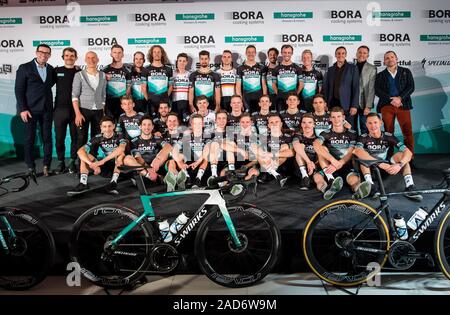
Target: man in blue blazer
[[341, 86], [33, 89]]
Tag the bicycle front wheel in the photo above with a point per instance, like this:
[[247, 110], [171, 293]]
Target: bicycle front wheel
[[346, 243], [30, 249], [234, 267], [121, 266], [442, 244]]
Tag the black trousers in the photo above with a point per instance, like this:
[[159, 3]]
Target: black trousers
[[44, 120], [113, 109], [62, 118], [92, 118]]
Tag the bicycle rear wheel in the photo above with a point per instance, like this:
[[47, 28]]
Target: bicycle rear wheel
[[234, 267], [30, 253], [442, 244], [107, 268], [345, 241]]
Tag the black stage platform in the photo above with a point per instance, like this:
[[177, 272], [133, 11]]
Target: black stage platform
[[290, 207]]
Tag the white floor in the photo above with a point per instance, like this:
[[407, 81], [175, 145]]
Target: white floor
[[273, 284]]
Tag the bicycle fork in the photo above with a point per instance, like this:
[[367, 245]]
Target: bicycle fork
[[226, 215]]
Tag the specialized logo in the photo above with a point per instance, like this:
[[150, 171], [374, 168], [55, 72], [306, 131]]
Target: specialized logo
[[434, 63]]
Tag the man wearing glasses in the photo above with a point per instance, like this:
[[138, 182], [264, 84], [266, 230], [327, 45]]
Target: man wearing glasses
[[33, 89]]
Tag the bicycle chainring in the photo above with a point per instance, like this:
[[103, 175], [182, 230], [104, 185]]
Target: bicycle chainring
[[398, 255], [164, 258]]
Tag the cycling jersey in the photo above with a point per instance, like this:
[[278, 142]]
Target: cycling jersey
[[260, 122], [136, 80], [269, 79], [160, 125], [147, 149], [312, 81], [287, 78], [205, 84], [129, 125], [233, 121], [180, 90], [378, 147], [227, 82], [117, 78], [273, 143], [322, 123], [308, 143], [292, 121], [158, 81], [338, 143], [107, 145]]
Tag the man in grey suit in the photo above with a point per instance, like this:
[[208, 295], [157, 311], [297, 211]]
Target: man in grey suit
[[88, 98], [367, 75]]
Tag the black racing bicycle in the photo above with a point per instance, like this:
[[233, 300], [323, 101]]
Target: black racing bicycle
[[347, 242], [27, 248], [236, 245]]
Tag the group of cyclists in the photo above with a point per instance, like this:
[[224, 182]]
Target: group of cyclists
[[269, 121]]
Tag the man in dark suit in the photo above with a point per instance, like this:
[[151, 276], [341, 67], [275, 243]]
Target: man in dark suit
[[33, 88], [394, 86], [341, 86]]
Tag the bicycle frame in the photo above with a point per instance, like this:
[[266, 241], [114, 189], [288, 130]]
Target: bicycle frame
[[434, 214], [10, 233], [215, 199]]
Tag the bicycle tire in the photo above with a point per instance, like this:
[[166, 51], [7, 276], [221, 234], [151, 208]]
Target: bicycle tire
[[231, 267], [127, 264], [328, 242], [442, 244], [32, 254]]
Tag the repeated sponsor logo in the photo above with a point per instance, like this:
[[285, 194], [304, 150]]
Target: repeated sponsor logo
[[10, 22], [54, 43], [197, 41], [392, 39], [437, 16], [52, 21], [11, 46], [96, 20], [293, 17], [435, 63], [99, 43], [148, 19], [344, 16], [391, 16], [244, 39], [147, 41], [435, 39], [245, 17], [5, 69], [195, 18], [296, 40], [403, 63], [339, 39]]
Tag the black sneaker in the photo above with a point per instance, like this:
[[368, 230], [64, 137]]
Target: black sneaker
[[80, 188], [197, 183], [306, 183], [60, 168], [264, 177], [281, 180], [413, 195], [72, 167], [335, 187], [112, 188], [189, 182]]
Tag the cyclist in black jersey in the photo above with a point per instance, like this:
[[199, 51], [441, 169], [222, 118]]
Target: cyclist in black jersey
[[286, 77], [228, 78], [272, 62], [260, 118], [334, 149], [305, 155], [113, 147], [376, 144], [204, 82], [241, 148], [160, 121], [274, 151], [117, 75], [137, 83], [237, 106], [292, 116], [321, 116], [128, 123], [251, 80], [160, 77], [192, 152], [148, 150], [64, 114], [312, 81]]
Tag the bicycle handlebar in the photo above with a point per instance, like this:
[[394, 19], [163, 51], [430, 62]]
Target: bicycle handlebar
[[25, 177]]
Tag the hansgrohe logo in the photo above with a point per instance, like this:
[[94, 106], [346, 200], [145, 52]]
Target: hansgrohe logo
[[52, 42], [194, 16], [9, 21], [147, 41], [293, 15], [391, 14], [435, 38], [342, 38], [98, 19], [244, 39]]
